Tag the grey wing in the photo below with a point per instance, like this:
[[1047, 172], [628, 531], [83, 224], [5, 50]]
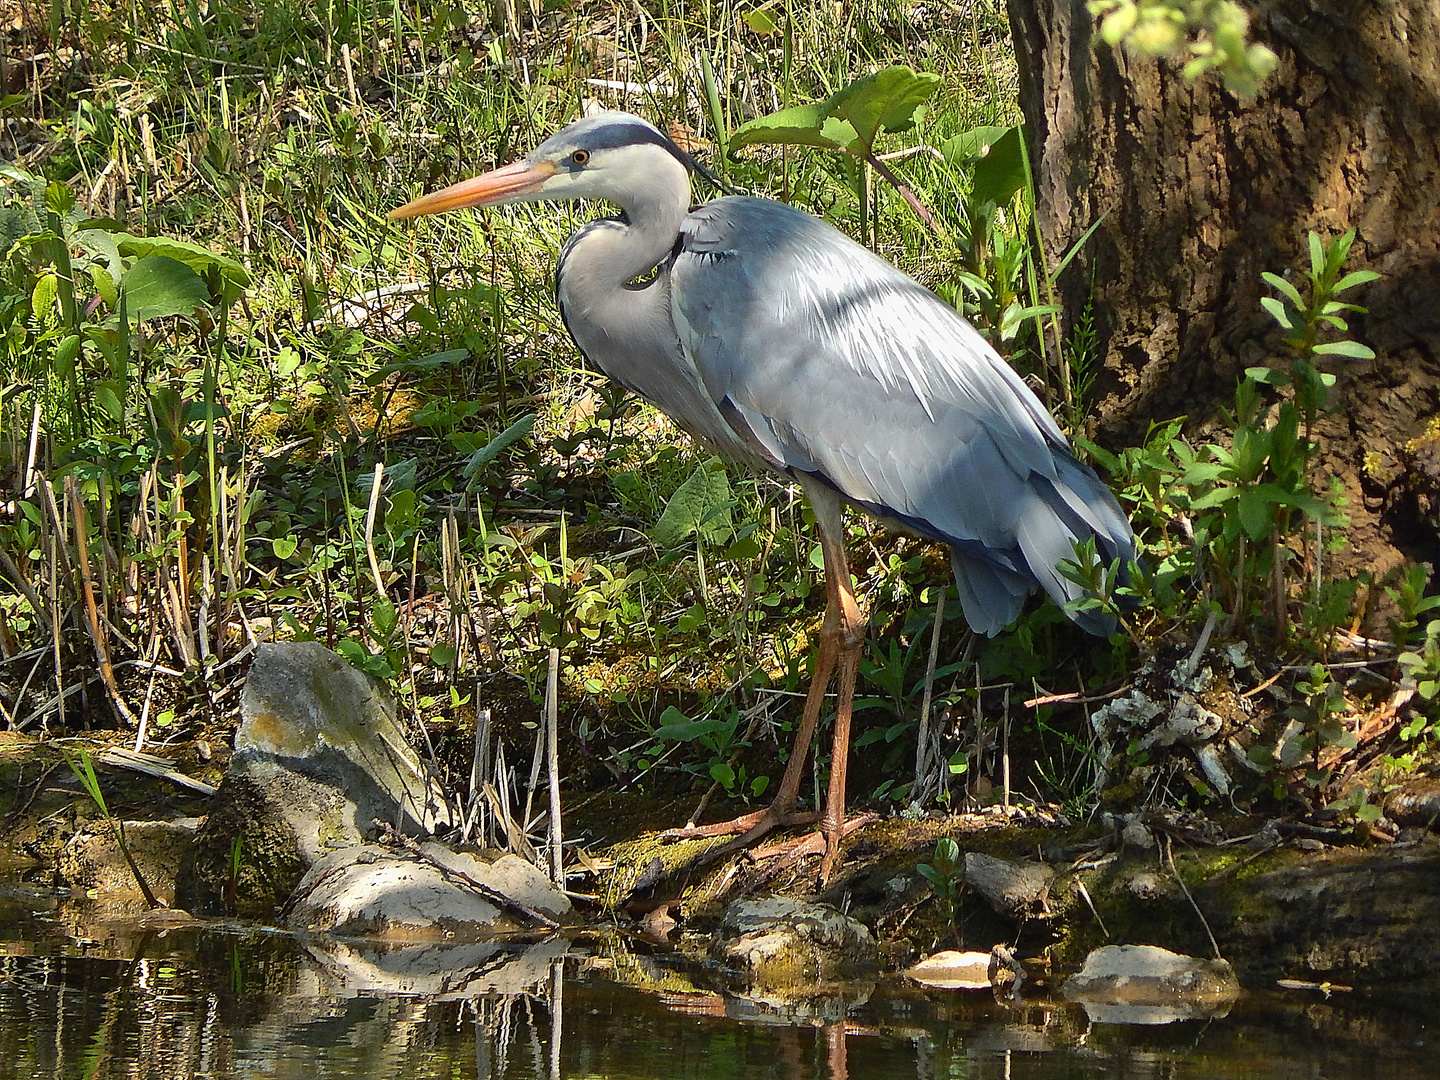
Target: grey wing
[[843, 368]]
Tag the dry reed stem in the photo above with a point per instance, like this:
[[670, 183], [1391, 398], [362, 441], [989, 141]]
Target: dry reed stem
[[92, 615]]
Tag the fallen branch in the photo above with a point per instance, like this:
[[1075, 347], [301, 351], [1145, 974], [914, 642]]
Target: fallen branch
[[499, 899]]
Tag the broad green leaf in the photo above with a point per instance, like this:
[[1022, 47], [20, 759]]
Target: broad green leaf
[[798, 125], [842, 134], [201, 260], [1000, 173], [42, 297], [1346, 348], [102, 245], [723, 775], [700, 505], [970, 146], [104, 283], [107, 395], [760, 23], [66, 353], [885, 101], [158, 286], [1256, 511]]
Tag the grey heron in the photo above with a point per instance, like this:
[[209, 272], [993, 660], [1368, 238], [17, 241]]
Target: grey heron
[[770, 335]]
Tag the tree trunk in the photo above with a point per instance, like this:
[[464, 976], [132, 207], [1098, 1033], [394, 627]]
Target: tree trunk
[[1201, 192]]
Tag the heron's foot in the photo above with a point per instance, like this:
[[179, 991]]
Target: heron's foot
[[751, 827], [823, 842]]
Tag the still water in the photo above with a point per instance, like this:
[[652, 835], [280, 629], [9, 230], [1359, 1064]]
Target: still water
[[80, 998]]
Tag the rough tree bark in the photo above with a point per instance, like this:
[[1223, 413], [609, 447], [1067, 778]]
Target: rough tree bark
[[1202, 192]]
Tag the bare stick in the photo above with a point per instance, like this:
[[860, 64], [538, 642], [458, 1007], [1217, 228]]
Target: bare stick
[[1170, 858], [922, 747], [479, 769], [30, 456], [1005, 752], [552, 738], [370, 529]]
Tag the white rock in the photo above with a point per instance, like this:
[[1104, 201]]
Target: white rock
[[1145, 984], [952, 970]]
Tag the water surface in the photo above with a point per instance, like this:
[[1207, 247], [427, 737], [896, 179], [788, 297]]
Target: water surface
[[82, 998]]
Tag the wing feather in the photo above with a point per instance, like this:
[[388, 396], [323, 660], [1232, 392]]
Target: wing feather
[[843, 368]]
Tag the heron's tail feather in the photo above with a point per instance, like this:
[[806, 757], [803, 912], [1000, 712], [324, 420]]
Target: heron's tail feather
[[1071, 509], [991, 595]]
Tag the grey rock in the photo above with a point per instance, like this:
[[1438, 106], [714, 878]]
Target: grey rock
[[1016, 890], [1145, 984], [782, 941], [319, 756], [92, 860], [372, 891], [1416, 803]]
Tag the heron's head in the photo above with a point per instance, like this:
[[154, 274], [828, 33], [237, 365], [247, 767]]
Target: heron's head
[[613, 156]]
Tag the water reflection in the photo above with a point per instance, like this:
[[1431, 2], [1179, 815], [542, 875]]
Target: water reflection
[[228, 1002]]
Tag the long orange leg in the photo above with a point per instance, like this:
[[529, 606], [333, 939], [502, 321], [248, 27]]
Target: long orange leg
[[841, 635]]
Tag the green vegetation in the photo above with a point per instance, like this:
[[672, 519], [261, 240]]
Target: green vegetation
[[277, 415]]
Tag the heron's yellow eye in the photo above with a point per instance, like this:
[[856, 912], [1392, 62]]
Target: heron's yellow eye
[[580, 157]]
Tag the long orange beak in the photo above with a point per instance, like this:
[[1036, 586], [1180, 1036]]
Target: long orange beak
[[487, 189]]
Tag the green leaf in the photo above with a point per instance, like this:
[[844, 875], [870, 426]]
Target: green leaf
[[1317, 256], [200, 259], [284, 546], [1000, 173], [1353, 349], [686, 730], [849, 119], [760, 23], [888, 100], [1267, 376], [1291, 293], [66, 353], [42, 297], [700, 505], [158, 286], [971, 146], [1278, 311], [799, 125], [1256, 512], [490, 451], [723, 775], [1354, 278]]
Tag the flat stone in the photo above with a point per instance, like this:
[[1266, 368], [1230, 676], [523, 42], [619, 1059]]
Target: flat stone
[[782, 941], [372, 891], [952, 970], [1145, 984]]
